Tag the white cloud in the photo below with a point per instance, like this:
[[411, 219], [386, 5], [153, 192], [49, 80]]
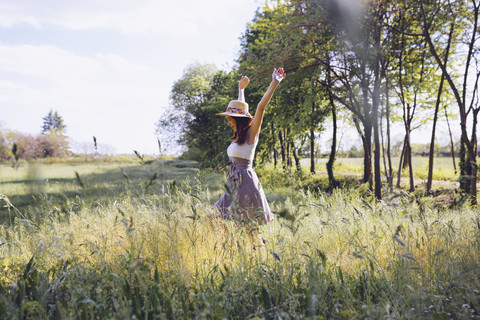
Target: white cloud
[[181, 17], [105, 95], [92, 84], [99, 76]]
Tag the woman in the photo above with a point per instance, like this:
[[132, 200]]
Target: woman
[[245, 199]]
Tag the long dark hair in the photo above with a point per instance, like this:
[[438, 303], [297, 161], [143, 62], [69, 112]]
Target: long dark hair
[[240, 135]]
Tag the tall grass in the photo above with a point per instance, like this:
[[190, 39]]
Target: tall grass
[[153, 253]]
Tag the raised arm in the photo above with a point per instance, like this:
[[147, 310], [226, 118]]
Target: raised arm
[[254, 130], [242, 84]]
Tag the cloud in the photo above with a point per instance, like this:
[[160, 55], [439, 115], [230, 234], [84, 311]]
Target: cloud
[[106, 95], [83, 78], [107, 66], [181, 17]]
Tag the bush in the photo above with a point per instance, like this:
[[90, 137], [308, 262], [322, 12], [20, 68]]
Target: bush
[[30, 147], [51, 146], [26, 147]]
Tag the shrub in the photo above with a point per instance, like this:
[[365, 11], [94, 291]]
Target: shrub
[[42, 146], [51, 146], [26, 147]]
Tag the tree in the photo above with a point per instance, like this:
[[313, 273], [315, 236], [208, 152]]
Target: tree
[[435, 117], [26, 147], [464, 16], [408, 83], [274, 38], [342, 50], [191, 119], [41, 146], [53, 124], [50, 146], [355, 63], [414, 77], [378, 59], [262, 49]]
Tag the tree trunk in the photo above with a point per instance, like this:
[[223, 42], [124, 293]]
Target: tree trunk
[[367, 173], [282, 148], [272, 129], [377, 173], [382, 143], [367, 159], [402, 155], [296, 157], [435, 117], [473, 161], [465, 168], [312, 140], [331, 158], [432, 140], [289, 158], [368, 127], [405, 156], [275, 156], [375, 106], [410, 166], [312, 150], [389, 157], [473, 185], [408, 149], [452, 146]]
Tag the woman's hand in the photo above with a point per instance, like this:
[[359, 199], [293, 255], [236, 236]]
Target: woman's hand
[[243, 82], [278, 75]]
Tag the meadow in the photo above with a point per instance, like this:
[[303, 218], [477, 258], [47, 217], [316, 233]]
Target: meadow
[[134, 240], [443, 167]]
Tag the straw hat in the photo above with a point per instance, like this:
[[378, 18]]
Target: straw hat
[[236, 108]]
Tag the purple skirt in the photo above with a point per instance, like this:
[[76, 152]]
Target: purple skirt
[[244, 197]]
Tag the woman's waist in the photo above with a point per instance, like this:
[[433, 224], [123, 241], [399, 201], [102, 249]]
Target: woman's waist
[[240, 163]]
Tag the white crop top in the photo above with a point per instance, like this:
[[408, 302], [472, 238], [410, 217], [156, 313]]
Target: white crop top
[[244, 151]]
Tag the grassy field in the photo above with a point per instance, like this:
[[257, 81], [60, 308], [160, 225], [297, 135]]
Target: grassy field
[[443, 167], [103, 241]]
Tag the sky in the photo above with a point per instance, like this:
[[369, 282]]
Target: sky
[[107, 66]]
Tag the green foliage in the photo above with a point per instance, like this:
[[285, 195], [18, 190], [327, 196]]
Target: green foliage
[[302, 103], [191, 120], [368, 60]]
